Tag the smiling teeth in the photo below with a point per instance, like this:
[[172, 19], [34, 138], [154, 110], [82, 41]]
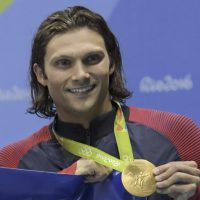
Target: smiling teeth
[[80, 90]]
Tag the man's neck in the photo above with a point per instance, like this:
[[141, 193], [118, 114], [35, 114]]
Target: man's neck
[[84, 118]]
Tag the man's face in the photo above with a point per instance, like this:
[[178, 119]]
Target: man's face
[[77, 70]]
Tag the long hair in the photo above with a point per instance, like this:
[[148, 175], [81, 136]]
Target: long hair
[[61, 22]]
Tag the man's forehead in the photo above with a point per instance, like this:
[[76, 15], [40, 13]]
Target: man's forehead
[[77, 36], [75, 42]]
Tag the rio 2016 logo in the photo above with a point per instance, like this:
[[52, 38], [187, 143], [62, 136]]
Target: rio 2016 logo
[[4, 4]]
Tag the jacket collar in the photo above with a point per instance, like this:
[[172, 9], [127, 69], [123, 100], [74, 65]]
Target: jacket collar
[[99, 127]]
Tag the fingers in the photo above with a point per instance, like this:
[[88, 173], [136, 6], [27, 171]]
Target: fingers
[[97, 177], [185, 172], [178, 165], [93, 171], [179, 192], [100, 174], [84, 167], [177, 179]]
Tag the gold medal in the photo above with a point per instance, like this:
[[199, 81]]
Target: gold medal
[[138, 178]]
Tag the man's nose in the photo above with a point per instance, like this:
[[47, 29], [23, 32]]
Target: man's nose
[[80, 72]]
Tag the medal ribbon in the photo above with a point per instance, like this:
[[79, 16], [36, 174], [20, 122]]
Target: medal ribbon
[[89, 152]]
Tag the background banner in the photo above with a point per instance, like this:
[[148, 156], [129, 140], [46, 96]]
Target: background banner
[[160, 44]]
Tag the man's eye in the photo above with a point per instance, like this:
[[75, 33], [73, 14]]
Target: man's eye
[[92, 59], [63, 63]]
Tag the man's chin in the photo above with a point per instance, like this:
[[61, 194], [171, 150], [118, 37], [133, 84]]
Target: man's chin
[[83, 109]]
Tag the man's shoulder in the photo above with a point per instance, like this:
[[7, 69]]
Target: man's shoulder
[[11, 154], [158, 119], [179, 129]]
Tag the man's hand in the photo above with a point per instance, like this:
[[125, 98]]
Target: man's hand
[[93, 171], [177, 179]]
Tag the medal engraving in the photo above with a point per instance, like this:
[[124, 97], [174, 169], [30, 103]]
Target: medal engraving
[[138, 178]]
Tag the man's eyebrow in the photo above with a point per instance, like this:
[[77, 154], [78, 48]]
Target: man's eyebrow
[[60, 57], [94, 52]]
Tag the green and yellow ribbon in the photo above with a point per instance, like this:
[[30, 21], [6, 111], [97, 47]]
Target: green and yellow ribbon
[[101, 157]]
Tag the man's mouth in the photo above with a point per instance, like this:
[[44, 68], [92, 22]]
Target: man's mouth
[[81, 90]]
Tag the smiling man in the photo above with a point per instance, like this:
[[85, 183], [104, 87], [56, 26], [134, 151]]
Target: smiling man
[[76, 78], [77, 70]]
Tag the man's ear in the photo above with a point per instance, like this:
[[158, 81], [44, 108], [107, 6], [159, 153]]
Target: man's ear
[[112, 69], [39, 74]]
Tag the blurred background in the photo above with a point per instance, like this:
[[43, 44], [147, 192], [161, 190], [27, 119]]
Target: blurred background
[[160, 45]]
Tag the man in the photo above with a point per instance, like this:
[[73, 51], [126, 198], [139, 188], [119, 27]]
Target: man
[[76, 78]]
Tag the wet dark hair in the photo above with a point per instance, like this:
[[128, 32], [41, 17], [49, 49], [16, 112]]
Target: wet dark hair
[[61, 22]]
